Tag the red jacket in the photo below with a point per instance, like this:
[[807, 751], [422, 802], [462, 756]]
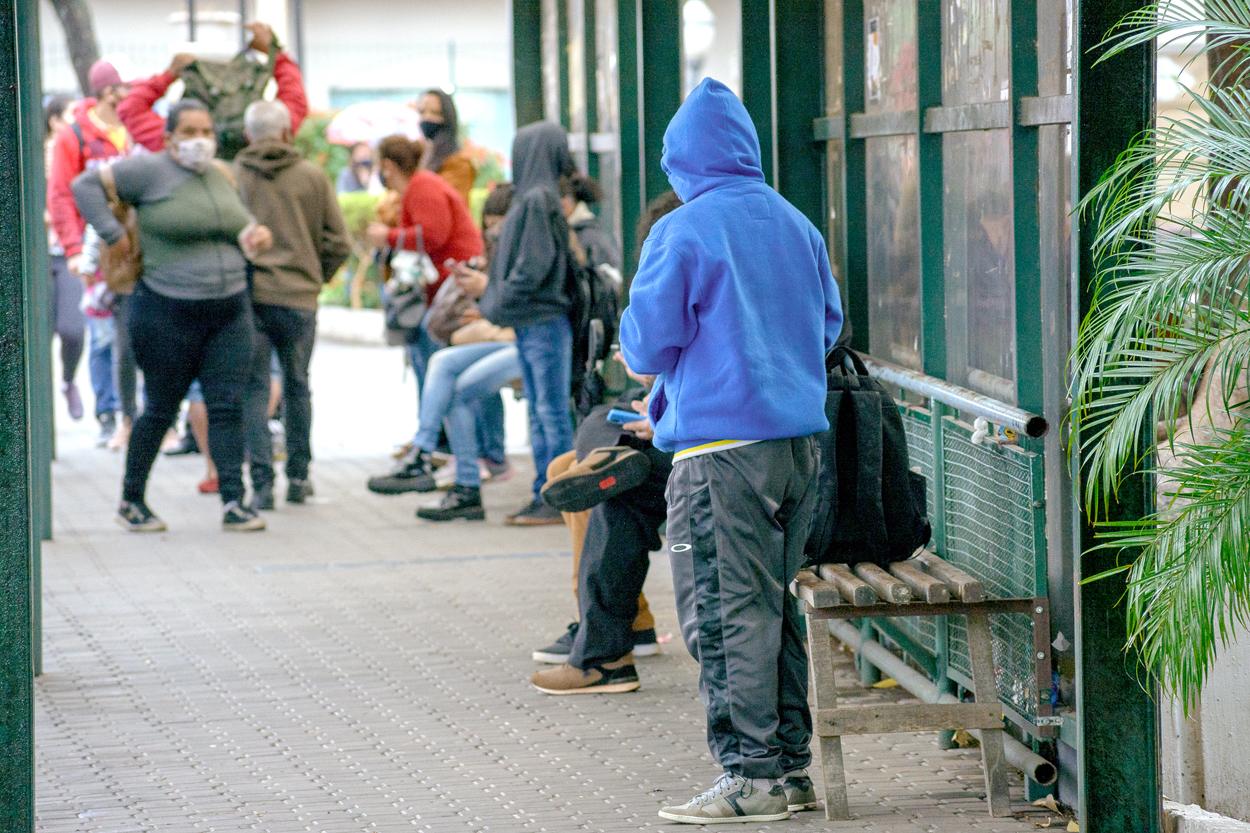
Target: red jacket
[[70, 157], [148, 129], [447, 228]]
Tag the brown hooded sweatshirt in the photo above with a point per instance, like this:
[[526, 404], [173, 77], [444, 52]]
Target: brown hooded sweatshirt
[[297, 202]]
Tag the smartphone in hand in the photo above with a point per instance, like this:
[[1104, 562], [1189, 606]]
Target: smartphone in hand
[[618, 416]]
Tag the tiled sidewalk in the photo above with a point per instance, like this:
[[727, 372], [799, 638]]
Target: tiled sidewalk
[[353, 669]]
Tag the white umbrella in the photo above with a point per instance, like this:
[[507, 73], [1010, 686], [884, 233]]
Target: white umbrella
[[370, 121]]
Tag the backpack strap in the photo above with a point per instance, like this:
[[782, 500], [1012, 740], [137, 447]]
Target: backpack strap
[[869, 435], [227, 172], [82, 140]]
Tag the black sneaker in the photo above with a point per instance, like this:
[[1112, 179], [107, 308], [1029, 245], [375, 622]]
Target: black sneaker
[[298, 491], [262, 498], [537, 513], [461, 503], [187, 445], [413, 473], [108, 427], [135, 516], [239, 518], [558, 652], [645, 643]]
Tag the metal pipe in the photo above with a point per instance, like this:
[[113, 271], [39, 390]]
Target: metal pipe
[[1018, 755], [963, 399]]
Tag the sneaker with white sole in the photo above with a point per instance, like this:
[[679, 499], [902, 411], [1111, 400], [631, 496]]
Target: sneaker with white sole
[[732, 799], [557, 653], [135, 516], [800, 792], [239, 518]]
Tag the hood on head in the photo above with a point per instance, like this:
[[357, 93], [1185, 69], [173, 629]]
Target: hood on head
[[540, 156], [268, 159], [710, 141]]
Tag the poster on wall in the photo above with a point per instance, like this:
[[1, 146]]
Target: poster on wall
[[873, 59]]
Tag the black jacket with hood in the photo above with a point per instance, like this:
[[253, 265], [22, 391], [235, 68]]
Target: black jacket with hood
[[529, 269], [296, 200]]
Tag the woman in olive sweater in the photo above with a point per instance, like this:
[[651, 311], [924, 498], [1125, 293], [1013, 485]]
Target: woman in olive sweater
[[190, 316]]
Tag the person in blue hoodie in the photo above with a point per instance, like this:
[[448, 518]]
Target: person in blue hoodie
[[733, 309]]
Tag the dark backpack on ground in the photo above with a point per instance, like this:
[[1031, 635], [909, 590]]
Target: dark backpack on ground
[[595, 317], [227, 88], [871, 505]]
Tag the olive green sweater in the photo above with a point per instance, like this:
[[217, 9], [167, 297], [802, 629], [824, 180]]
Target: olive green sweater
[[189, 224]]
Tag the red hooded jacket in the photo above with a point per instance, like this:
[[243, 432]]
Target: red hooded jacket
[[447, 228], [148, 128], [70, 157]]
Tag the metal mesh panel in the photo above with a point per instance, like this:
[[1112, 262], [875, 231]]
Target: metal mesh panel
[[919, 427], [991, 523]]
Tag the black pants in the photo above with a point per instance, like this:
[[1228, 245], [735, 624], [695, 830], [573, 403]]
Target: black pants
[[125, 370], [68, 321], [621, 534], [291, 333], [176, 342]]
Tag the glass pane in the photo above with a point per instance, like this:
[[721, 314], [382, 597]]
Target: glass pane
[[833, 57], [1054, 47], [976, 51], [889, 56], [609, 114], [711, 43], [893, 250], [551, 61], [980, 266], [834, 228]]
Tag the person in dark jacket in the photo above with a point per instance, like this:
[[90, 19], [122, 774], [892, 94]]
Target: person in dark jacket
[[734, 308], [528, 292], [296, 201], [578, 195]]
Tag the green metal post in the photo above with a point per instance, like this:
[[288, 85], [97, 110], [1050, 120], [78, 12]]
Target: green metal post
[[759, 77], [17, 766], [562, 38], [590, 61], [527, 60], [661, 85], [633, 186], [799, 25], [1025, 174], [38, 295], [856, 216], [932, 211], [1118, 758]]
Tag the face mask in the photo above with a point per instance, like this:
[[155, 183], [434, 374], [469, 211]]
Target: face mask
[[432, 128], [195, 154]]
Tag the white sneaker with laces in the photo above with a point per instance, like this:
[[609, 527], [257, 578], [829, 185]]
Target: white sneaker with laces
[[732, 799]]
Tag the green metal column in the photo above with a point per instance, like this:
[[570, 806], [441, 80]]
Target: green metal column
[[633, 188], [759, 77], [527, 60], [1026, 196], [17, 811], [660, 60], [590, 62], [799, 98], [856, 175], [1119, 728], [562, 39], [39, 301]]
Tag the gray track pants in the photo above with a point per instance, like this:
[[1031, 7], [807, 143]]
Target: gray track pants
[[737, 524]]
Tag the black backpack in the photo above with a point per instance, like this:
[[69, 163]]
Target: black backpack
[[595, 315], [871, 505]]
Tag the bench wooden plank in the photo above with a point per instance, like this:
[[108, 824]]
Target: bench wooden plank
[[925, 586], [852, 588], [962, 586], [907, 717], [886, 586], [816, 593]]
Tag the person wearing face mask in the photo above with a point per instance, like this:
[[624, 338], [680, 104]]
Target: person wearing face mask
[[441, 126], [358, 175], [190, 314], [94, 137]]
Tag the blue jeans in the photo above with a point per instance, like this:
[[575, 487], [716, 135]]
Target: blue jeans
[[419, 353], [102, 334], [462, 387], [546, 352]]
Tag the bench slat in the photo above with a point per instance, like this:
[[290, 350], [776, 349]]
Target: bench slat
[[907, 717], [887, 586], [850, 586], [962, 586], [816, 593], [925, 586]]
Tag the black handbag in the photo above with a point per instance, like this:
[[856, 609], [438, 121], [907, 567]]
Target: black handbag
[[404, 313]]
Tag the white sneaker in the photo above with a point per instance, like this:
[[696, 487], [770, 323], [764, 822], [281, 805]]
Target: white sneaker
[[731, 799]]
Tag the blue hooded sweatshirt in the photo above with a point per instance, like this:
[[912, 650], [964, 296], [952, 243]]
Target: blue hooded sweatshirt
[[734, 305]]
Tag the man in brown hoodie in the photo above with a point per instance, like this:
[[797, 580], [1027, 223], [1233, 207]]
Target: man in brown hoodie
[[296, 200]]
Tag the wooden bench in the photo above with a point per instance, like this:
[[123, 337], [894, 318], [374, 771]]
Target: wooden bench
[[923, 586]]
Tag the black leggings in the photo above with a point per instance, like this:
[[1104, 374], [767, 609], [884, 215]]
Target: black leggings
[[174, 343], [68, 321]]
